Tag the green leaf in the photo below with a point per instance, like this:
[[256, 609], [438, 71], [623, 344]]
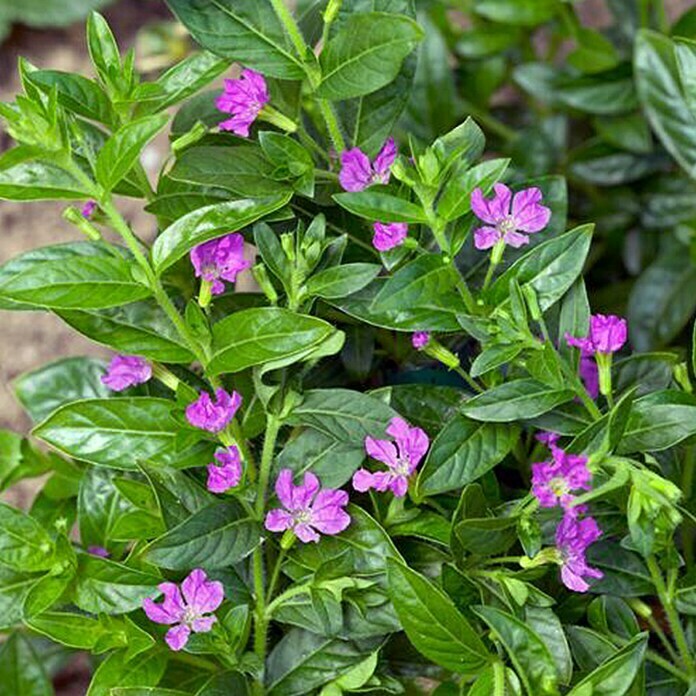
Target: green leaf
[[145, 670], [106, 587], [215, 537], [21, 670], [72, 630], [484, 535], [140, 328], [373, 204], [263, 335], [44, 390], [292, 160], [495, 356], [424, 283], [243, 170], [76, 93], [575, 315], [463, 452], [14, 590], [615, 676], [99, 507], [549, 268], [609, 93], [432, 623], [75, 283], [341, 281], [662, 300], [103, 49], [119, 433], [250, 34], [302, 662], [527, 13], [659, 421], [186, 78], [24, 544], [455, 199], [529, 654], [122, 150], [625, 574], [38, 180], [208, 223], [544, 622], [366, 54], [516, 400], [662, 96]]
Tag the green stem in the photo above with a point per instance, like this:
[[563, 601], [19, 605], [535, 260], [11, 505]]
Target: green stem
[[662, 18], [498, 678], [276, 574], [468, 379], [332, 125], [657, 630], [260, 619], [672, 615], [280, 7]]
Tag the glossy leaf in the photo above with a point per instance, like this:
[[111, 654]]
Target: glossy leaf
[[515, 400], [463, 452], [215, 537], [249, 33], [39, 180], [432, 622], [341, 281], [374, 204], [263, 335], [24, 545], [22, 670], [118, 433], [208, 223], [366, 54]]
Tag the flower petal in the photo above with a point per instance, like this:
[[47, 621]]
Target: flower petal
[[305, 533], [178, 636], [515, 239], [384, 160], [278, 520], [528, 213], [284, 488], [412, 441], [494, 210], [204, 624], [485, 237], [202, 595], [356, 171], [382, 450]]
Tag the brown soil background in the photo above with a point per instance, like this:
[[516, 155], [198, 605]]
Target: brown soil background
[[28, 341]]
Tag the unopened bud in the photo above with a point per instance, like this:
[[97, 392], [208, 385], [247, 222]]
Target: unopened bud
[[75, 217], [261, 277], [192, 136]]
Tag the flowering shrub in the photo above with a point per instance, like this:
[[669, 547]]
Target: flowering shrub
[[412, 461]]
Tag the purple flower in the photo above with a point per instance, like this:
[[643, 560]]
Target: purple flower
[[227, 473], [88, 209], [220, 259], [210, 415], [308, 511], [98, 551], [243, 98], [589, 374], [389, 235], [607, 335], [573, 536], [420, 339], [548, 438], [126, 371], [553, 482], [185, 614], [510, 219], [401, 459], [357, 172]]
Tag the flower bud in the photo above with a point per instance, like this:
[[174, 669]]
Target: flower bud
[[261, 277]]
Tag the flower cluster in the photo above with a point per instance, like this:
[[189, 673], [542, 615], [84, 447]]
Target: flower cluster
[[126, 371], [555, 483], [213, 416]]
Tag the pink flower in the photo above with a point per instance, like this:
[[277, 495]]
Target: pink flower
[[357, 172], [308, 511], [553, 482], [607, 335], [389, 235], [548, 438], [220, 259], [185, 614], [589, 374], [126, 371], [508, 218], [88, 209], [98, 551], [227, 473], [420, 339], [573, 537], [210, 415], [401, 459], [243, 98]]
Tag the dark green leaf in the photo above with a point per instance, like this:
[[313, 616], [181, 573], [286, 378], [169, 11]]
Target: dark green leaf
[[119, 433], [145, 670], [249, 33], [24, 544], [340, 281], [366, 54], [516, 400], [122, 150], [38, 180], [208, 223], [374, 204], [463, 452], [432, 622], [662, 96], [517, 12], [215, 537], [264, 335], [21, 670]]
